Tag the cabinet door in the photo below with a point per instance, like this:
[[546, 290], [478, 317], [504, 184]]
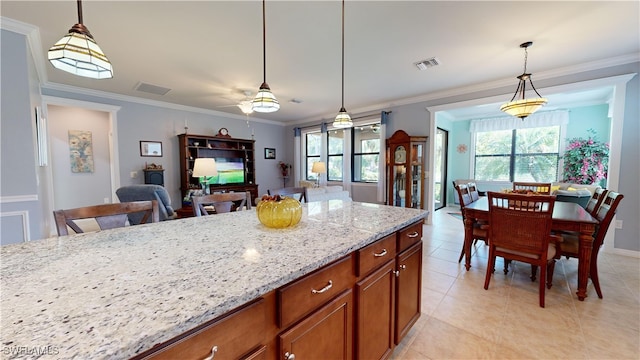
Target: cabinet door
[[408, 289], [325, 334], [375, 313]]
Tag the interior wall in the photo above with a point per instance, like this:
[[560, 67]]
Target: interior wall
[[71, 190]]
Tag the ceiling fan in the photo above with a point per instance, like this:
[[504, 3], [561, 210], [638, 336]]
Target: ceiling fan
[[245, 105]]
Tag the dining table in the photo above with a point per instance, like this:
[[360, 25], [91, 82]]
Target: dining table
[[566, 216]]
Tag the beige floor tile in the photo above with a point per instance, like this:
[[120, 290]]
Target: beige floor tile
[[461, 320]]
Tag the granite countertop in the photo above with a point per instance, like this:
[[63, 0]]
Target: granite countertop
[[116, 293]]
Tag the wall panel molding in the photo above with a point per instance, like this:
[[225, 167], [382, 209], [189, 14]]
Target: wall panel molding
[[24, 217], [17, 199]]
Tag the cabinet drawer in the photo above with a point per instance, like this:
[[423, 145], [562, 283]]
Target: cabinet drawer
[[374, 255], [235, 336], [304, 295], [409, 236]]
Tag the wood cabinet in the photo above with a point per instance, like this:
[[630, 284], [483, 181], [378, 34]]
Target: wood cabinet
[[325, 334], [408, 290], [154, 176], [406, 169], [235, 160], [237, 335], [375, 302]]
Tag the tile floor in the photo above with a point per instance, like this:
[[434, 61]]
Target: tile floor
[[461, 320]]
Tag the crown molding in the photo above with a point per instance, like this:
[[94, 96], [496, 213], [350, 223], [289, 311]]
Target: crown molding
[[163, 104]]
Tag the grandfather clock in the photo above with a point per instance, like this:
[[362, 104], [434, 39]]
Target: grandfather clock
[[405, 170]]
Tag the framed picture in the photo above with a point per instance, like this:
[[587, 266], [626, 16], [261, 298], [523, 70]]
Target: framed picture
[[151, 148], [269, 153]]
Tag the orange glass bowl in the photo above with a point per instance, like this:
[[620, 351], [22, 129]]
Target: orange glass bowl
[[279, 214]]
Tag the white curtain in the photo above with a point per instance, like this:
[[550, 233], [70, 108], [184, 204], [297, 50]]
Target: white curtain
[[382, 161], [549, 118], [297, 158]]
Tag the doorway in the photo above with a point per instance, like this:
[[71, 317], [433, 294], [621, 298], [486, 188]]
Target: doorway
[[440, 168]]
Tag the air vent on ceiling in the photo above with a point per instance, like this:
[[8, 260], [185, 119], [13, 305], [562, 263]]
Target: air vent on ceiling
[[424, 64], [152, 89]]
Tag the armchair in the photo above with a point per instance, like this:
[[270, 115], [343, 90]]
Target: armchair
[[147, 192]]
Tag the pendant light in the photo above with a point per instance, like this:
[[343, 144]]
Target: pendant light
[[342, 120], [265, 101], [79, 54], [524, 107]]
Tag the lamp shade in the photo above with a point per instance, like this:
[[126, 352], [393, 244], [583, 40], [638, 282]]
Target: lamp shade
[[523, 108], [205, 167], [342, 120], [77, 53], [319, 167], [265, 101]]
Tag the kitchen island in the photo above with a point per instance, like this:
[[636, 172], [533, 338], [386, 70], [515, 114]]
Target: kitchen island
[[118, 293]]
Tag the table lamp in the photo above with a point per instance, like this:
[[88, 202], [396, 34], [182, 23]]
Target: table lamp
[[319, 167], [203, 168]]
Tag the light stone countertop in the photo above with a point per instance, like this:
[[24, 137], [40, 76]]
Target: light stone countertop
[[116, 293]]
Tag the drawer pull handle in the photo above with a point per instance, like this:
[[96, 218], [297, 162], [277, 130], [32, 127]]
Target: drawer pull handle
[[214, 350], [403, 267], [413, 234], [397, 273], [289, 356], [324, 289], [383, 253]]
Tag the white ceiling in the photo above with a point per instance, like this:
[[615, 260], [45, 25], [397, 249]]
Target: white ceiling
[[209, 52]]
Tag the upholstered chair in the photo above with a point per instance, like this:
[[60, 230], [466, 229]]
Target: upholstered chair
[[144, 192]]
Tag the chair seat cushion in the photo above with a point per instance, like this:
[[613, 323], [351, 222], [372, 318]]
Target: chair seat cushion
[[551, 252]]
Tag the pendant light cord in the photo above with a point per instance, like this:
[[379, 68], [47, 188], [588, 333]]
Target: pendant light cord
[[264, 44], [342, 54], [79, 11], [526, 53]]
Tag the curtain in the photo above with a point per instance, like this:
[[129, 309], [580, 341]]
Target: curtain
[[382, 161], [297, 144], [549, 118], [322, 178]]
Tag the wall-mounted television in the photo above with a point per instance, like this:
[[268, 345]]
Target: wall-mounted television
[[230, 171]]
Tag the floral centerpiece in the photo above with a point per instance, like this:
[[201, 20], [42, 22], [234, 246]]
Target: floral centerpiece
[[284, 168], [586, 160]]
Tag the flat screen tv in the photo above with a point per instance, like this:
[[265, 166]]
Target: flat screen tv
[[230, 171]]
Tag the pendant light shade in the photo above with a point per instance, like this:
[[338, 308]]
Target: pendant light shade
[[523, 107], [342, 120], [79, 54], [265, 101]]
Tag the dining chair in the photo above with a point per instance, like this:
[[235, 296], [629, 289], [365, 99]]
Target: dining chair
[[521, 231], [539, 187], [473, 191], [298, 193], [108, 216], [479, 229], [221, 203], [596, 199], [570, 243]]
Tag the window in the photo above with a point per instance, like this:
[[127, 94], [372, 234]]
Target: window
[[366, 153], [335, 156], [530, 154], [312, 153]]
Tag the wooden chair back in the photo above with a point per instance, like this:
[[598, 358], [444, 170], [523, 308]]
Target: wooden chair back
[[298, 193], [221, 203], [604, 214], [473, 191], [595, 201], [520, 230], [108, 216], [464, 196], [539, 187]]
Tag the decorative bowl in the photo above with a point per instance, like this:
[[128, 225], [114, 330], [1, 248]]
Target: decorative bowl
[[279, 212]]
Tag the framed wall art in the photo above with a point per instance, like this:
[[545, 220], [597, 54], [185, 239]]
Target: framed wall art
[[151, 148], [269, 153]]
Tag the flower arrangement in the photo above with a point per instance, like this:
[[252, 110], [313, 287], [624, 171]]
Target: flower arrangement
[[284, 168], [586, 160]]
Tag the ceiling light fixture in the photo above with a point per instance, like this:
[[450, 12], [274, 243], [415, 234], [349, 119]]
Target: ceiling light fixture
[[342, 120], [265, 101], [79, 54], [524, 107]]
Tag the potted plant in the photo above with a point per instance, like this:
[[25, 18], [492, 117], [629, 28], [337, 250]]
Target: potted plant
[[586, 161], [284, 168]]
